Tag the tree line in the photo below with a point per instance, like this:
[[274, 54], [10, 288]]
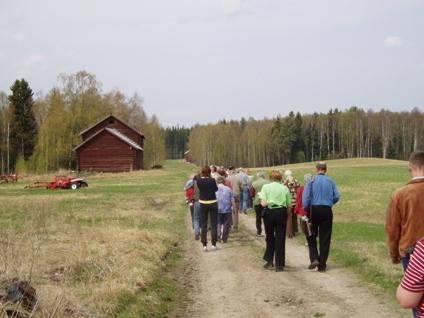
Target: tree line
[[337, 134], [39, 133]]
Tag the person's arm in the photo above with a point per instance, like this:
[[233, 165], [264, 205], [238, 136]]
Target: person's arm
[[408, 299], [411, 289], [393, 229], [305, 197], [263, 197], [336, 193]]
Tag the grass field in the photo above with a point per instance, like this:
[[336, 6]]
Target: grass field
[[103, 251], [359, 240], [99, 251]]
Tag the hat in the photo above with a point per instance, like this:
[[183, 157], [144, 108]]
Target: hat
[[287, 173]]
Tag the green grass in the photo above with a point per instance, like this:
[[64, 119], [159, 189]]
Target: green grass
[[106, 239]]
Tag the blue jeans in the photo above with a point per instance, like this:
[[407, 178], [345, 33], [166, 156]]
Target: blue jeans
[[405, 263], [224, 221], [244, 199], [196, 217]]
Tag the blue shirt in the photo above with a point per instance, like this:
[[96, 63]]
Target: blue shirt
[[224, 195], [324, 192]]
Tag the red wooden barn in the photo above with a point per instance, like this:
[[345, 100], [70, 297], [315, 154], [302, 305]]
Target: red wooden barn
[[110, 146]]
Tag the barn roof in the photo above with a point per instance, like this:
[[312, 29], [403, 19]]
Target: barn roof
[[114, 117], [114, 132]]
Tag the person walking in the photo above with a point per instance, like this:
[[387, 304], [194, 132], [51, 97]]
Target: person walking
[[411, 290], [405, 214], [224, 195], [236, 187], [257, 185], [275, 198], [291, 183], [244, 195], [319, 195], [208, 206], [196, 209]]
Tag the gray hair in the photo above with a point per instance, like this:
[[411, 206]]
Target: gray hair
[[220, 179], [261, 174]]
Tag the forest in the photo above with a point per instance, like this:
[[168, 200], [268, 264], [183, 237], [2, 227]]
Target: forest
[[38, 133], [337, 134]]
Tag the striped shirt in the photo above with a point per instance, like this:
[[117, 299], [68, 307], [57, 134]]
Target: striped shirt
[[413, 280]]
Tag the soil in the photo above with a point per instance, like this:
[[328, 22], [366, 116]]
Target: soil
[[231, 282]]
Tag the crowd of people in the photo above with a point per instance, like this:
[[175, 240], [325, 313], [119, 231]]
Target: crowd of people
[[217, 196], [281, 204]]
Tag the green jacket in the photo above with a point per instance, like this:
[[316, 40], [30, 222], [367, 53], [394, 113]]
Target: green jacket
[[257, 185]]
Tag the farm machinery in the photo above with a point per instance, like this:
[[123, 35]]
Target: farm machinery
[[60, 182]]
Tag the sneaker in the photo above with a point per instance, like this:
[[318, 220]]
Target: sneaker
[[205, 248], [214, 248], [313, 264], [279, 269], [259, 234]]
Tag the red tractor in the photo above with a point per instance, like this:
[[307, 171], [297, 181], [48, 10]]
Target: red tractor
[[63, 182], [60, 182]]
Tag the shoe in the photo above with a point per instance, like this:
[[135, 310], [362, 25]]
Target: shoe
[[313, 264], [268, 265], [205, 248], [321, 269], [224, 241], [279, 269], [259, 234], [196, 236], [214, 248]]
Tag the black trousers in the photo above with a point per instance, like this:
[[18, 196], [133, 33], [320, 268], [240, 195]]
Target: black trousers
[[322, 224], [258, 211], [275, 229], [211, 211]]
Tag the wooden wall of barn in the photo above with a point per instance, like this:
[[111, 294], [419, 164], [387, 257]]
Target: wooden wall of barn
[[108, 153]]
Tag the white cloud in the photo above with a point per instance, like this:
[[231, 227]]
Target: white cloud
[[393, 41], [235, 7]]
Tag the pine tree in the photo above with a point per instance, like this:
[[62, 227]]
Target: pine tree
[[23, 127]]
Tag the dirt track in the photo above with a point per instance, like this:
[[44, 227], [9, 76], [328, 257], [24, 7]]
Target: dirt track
[[231, 282]]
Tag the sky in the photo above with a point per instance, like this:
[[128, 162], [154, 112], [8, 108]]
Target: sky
[[198, 61]]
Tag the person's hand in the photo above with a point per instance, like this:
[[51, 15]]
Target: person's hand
[[396, 260], [304, 218]]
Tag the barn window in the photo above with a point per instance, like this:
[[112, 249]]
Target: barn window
[[111, 121]]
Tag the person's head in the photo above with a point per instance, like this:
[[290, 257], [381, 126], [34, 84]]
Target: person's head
[[307, 177], [220, 180], [287, 173], [221, 172], [416, 164], [260, 175], [321, 167], [231, 170], [276, 176], [206, 171], [213, 168]]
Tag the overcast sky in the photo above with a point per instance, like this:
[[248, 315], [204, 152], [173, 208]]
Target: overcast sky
[[203, 60]]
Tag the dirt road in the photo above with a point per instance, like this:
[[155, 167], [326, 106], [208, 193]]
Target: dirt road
[[231, 282]]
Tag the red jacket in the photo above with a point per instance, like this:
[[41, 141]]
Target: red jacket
[[299, 205], [189, 194]]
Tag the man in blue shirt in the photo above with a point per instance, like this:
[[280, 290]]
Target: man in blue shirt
[[224, 195], [319, 196]]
